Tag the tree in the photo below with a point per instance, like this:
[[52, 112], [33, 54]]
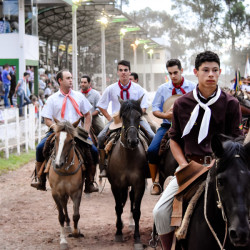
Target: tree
[[236, 23]]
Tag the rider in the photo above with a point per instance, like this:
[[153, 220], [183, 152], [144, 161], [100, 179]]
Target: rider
[[65, 104], [177, 85], [93, 97], [126, 89], [192, 129]]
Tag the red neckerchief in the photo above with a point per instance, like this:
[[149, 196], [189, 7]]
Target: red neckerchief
[[178, 87], [74, 103], [86, 91], [124, 89]]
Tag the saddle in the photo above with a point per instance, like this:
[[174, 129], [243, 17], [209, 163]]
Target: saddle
[[191, 180]]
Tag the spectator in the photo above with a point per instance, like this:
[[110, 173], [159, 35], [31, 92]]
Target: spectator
[[21, 90], [6, 84], [12, 87], [4, 26]]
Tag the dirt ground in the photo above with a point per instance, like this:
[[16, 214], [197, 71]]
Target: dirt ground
[[28, 218]]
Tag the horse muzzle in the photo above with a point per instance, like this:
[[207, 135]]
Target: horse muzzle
[[133, 143], [240, 236]]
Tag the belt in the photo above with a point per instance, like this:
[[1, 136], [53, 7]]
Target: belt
[[200, 159]]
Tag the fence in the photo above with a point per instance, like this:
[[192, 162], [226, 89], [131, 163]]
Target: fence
[[17, 131]]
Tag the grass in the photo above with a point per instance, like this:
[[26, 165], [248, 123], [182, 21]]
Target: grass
[[16, 161]]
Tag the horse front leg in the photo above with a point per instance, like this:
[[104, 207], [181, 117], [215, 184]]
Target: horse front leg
[[67, 220], [76, 198], [136, 215], [131, 219], [118, 195], [61, 218]]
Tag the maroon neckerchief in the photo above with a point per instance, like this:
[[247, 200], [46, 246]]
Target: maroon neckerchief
[[178, 87], [86, 91], [124, 89]]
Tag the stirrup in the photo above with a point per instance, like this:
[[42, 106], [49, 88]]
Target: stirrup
[[103, 173], [156, 184]]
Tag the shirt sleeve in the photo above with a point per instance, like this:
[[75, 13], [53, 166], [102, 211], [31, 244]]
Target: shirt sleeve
[[175, 130], [144, 102], [157, 102], [97, 98], [85, 105], [47, 111], [104, 100]]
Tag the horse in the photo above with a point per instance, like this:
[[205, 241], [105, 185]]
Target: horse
[[66, 178], [221, 217], [127, 166]]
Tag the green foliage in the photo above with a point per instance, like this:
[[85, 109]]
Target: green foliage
[[15, 161]]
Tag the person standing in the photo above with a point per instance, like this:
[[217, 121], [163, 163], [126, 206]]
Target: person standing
[[126, 89], [21, 89], [93, 97], [65, 105], [6, 78], [178, 85], [12, 87], [197, 116]]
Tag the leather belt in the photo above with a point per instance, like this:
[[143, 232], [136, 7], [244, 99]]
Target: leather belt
[[204, 160]]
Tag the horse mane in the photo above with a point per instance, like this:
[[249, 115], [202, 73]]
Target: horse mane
[[129, 105], [65, 126]]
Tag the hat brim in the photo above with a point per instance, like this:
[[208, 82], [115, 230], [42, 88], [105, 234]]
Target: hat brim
[[84, 139], [169, 102], [202, 171], [114, 126]]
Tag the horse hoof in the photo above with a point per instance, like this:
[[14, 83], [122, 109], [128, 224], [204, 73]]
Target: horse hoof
[[138, 246], [68, 229], [119, 238], [79, 235], [64, 246]]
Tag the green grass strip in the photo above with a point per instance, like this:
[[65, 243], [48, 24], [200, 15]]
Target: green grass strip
[[16, 161]]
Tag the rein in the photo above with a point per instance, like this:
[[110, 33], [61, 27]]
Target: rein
[[219, 205]]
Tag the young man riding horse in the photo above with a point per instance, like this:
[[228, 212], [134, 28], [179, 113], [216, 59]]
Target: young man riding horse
[[176, 86], [126, 89], [197, 116], [65, 104]]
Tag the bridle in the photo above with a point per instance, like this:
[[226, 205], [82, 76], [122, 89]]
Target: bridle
[[126, 133], [219, 205]]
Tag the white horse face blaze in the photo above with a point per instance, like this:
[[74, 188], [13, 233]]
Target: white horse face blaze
[[62, 138]]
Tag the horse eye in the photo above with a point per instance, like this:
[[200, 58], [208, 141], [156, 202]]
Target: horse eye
[[221, 182]]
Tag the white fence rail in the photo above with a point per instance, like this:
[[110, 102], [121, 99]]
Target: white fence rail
[[17, 131]]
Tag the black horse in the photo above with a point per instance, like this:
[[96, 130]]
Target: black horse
[[127, 168], [228, 192]]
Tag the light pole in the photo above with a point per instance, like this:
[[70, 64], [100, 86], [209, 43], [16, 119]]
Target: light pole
[[144, 66], [134, 45], [104, 22], [151, 69], [122, 34], [74, 46]]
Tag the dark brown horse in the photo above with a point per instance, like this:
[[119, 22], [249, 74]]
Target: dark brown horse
[[227, 193], [66, 178], [127, 166]]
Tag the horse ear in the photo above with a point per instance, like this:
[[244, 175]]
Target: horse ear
[[140, 99], [120, 100], [217, 146], [56, 121], [75, 124]]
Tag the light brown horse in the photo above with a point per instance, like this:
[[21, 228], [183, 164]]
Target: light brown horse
[[66, 178]]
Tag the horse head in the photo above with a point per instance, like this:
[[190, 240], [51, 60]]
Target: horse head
[[232, 179], [130, 114], [64, 143]]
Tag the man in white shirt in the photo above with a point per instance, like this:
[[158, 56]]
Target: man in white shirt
[[61, 105], [126, 89]]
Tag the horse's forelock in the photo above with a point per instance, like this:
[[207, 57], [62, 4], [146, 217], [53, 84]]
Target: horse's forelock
[[232, 149], [67, 127], [129, 105]]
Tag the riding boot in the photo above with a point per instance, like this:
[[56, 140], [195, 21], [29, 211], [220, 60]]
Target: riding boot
[[40, 178], [102, 163], [155, 179], [89, 181], [167, 240]]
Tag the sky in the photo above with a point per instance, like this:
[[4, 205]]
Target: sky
[[153, 4]]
